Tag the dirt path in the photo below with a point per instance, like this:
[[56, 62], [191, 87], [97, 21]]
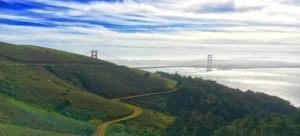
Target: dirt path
[[103, 127], [101, 130], [147, 94]]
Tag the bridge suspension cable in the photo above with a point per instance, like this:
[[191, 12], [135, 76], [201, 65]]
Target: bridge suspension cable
[[143, 66]]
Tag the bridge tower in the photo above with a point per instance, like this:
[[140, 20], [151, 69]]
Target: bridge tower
[[94, 54], [209, 63]]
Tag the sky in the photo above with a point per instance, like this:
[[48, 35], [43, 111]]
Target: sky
[[157, 29]]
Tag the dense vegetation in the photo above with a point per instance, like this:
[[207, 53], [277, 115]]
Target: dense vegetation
[[204, 108], [270, 125]]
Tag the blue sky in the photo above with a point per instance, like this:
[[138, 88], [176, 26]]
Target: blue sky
[[144, 29]]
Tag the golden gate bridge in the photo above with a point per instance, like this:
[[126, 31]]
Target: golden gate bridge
[[209, 66]]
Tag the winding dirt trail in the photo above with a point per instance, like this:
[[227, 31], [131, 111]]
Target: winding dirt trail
[[101, 130]]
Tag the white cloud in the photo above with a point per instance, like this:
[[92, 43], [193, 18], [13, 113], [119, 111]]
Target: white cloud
[[172, 24], [170, 12]]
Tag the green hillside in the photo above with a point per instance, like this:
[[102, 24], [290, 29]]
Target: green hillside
[[20, 114], [51, 90], [9, 130], [96, 76], [37, 86], [38, 55], [112, 81]]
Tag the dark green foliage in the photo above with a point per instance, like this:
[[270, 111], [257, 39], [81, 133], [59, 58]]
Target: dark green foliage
[[270, 125], [61, 107], [203, 106], [177, 128], [208, 96]]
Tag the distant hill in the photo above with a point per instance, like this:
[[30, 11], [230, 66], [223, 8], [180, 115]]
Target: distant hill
[[57, 91]]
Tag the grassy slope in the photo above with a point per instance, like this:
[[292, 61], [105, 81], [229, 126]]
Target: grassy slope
[[10, 130], [39, 55], [20, 114], [111, 81], [150, 123], [37, 86]]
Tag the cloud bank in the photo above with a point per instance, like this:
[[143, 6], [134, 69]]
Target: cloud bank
[[133, 29]]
